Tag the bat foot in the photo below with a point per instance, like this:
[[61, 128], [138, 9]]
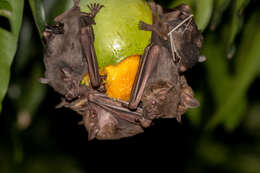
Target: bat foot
[[95, 8], [144, 26]]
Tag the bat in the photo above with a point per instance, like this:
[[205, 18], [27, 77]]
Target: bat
[[160, 89], [105, 118], [68, 56], [69, 52], [175, 47]]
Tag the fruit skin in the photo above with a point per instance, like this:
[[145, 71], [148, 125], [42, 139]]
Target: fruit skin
[[117, 35], [120, 78]]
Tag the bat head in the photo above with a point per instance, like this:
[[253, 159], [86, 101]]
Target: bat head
[[185, 38], [160, 100]]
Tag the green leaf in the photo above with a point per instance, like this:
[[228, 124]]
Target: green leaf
[[220, 81], [5, 8], [203, 13], [217, 67], [175, 3], [237, 20], [219, 7], [8, 42], [24, 55], [195, 115], [33, 93], [247, 63], [38, 14], [236, 114], [56, 8]]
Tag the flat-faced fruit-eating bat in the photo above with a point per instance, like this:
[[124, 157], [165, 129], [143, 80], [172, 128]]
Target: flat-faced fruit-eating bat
[[159, 84], [69, 52], [69, 55], [175, 47]]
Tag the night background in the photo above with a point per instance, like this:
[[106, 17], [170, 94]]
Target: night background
[[222, 135]]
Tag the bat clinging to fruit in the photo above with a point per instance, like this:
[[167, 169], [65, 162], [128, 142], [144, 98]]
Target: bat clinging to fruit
[[175, 47], [159, 91]]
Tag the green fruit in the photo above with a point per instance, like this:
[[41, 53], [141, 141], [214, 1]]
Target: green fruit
[[117, 35]]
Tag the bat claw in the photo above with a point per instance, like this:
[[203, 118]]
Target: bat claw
[[95, 8], [143, 26]]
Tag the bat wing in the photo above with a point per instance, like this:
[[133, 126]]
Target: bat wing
[[105, 118], [87, 42], [117, 120], [147, 64]]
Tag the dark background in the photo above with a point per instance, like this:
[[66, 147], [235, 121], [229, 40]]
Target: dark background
[[36, 137]]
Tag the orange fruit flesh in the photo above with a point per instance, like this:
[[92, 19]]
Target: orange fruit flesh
[[120, 78]]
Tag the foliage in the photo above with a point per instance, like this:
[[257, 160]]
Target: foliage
[[12, 11], [225, 84]]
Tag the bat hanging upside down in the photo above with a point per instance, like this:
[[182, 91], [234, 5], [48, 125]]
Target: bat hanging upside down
[[160, 89]]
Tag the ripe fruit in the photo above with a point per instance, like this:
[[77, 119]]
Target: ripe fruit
[[117, 37], [120, 78]]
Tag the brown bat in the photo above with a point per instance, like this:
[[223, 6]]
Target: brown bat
[[159, 86], [69, 52], [69, 55], [175, 47]]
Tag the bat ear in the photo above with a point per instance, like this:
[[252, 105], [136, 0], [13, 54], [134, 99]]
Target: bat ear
[[184, 7], [191, 102], [188, 99], [46, 35], [91, 134], [202, 59], [178, 118], [44, 80], [90, 123]]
